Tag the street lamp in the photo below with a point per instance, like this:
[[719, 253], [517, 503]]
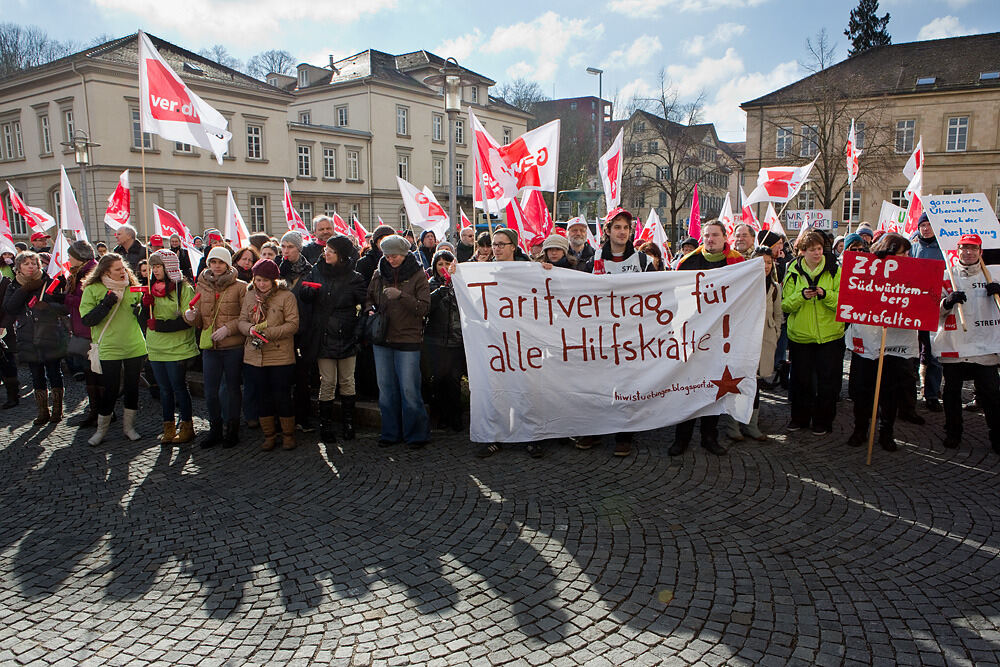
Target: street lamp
[[81, 143], [451, 79], [600, 103]]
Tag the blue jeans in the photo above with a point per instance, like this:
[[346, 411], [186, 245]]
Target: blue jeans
[[275, 386], [221, 374], [170, 376], [399, 397], [39, 371]]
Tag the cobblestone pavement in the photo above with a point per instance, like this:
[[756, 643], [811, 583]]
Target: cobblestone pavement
[[792, 552]]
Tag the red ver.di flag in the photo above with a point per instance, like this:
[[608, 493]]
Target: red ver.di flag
[[170, 109], [630, 352], [897, 291], [119, 204], [611, 172]]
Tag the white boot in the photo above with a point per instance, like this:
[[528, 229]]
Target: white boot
[[128, 425], [103, 423]]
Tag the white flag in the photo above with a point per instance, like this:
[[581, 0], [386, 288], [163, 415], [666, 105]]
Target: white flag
[[726, 218], [119, 204], [170, 109], [236, 229], [772, 222], [852, 154], [610, 166], [916, 161], [779, 183], [69, 212]]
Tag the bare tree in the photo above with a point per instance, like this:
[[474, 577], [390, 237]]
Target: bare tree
[[521, 93], [822, 52], [22, 47], [221, 55], [272, 60]]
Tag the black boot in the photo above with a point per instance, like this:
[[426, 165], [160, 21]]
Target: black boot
[[13, 386], [232, 433], [214, 435], [326, 431], [347, 417], [94, 400]]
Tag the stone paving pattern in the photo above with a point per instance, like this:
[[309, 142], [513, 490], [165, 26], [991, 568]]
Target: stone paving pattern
[[792, 552]]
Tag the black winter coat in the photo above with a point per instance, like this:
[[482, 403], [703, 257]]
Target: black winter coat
[[333, 333], [42, 330], [294, 273], [367, 265], [444, 325]]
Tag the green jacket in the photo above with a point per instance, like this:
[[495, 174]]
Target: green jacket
[[6, 271], [173, 338], [123, 339], [812, 320]]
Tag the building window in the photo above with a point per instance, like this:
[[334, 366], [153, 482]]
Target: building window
[[303, 78], [181, 147], [46, 132], [852, 207], [859, 136], [404, 222], [255, 143], [572, 106], [474, 94], [402, 118], [342, 116], [806, 200], [640, 200], [10, 145], [951, 191], [68, 127], [329, 163], [654, 147], [18, 225], [355, 211], [958, 133], [663, 200], [459, 131], [437, 125], [403, 166], [663, 174], [140, 139], [507, 133], [904, 135], [329, 209], [783, 143], [438, 171], [637, 176], [272, 81], [57, 206], [306, 211], [353, 166], [810, 141], [305, 161], [305, 117], [459, 178], [898, 198], [258, 213]]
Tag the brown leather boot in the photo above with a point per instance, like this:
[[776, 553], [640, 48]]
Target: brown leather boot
[[57, 405], [169, 433], [288, 432], [185, 433], [42, 400], [267, 428]]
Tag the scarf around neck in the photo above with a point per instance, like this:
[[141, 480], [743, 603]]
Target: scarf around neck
[[116, 286]]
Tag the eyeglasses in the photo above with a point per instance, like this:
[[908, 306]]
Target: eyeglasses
[[501, 245]]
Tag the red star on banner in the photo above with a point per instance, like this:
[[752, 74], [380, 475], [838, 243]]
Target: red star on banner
[[727, 384]]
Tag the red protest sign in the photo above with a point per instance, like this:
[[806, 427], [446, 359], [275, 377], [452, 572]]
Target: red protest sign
[[897, 291]]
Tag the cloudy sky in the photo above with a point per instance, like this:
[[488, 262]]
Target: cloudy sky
[[729, 50]]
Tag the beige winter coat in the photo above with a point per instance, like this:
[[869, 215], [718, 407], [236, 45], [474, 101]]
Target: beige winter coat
[[226, 292], [282, 315], [773, 317]]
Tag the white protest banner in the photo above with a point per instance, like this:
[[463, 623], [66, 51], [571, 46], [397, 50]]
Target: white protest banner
[[954, 215], [892, 218], [559, 353], [815, 218]]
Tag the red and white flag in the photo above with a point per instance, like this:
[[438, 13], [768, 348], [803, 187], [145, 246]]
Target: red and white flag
[[236, 228], [780, 184], [466, 223], [423, 211], [59, 262], [526, 234], [340, 226], [914, 170], [916, 161], [536, 213], [360, 233], [6, 236], [530, 162], [36, 218], [294, 220], [694, 222], [851, 154], [119, 204], [381, 222], [170, 109], [653, 231], [610, 166], [167, 223], [747, 216], [69, 211], [772, 222], [727, 218]]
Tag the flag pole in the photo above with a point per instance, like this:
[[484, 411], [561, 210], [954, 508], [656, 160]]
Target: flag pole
[[878, 386], [850, 211], [958, 306]]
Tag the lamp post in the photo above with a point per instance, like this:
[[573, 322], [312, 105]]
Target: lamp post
[[81, 143], [600, 103], [451, 79]]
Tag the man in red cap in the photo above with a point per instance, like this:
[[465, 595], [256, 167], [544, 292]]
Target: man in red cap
[[155, 243], [972, 354], [40, 242]]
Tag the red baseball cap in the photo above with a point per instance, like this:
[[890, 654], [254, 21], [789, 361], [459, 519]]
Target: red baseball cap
[[155, 241], [615, 212], [214, 236], [38, 236], [966, 239]]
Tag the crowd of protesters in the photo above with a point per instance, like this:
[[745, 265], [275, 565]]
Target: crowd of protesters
[[282, 329]]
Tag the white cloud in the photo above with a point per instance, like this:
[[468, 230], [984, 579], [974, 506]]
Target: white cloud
[[724, 108], [547, 38], [461, 47], [247, 19], [723, 33], [689, 81], [695, 46], [637, 88], [645, 8], [639, 52], [321, 57], [944, 26]]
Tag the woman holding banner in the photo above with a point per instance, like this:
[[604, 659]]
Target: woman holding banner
[[815, 337]]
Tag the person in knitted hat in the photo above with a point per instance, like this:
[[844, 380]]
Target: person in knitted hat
[[269, 318], [294, 269], [854, 242], [505, 246], [555, 252], [170, 343]]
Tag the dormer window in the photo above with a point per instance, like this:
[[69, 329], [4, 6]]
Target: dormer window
[[272, 82], [303, 78], [989, 76], [926, 80], [191, 68]]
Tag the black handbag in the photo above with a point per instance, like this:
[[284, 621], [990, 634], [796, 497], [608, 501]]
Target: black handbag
[[78, 346], [376, 326]]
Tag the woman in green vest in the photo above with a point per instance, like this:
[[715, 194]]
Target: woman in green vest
[[109, 308], [170, 342]]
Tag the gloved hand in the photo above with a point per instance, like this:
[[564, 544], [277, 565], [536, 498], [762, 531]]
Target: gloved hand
[[954, 298], [147, 298], [220, 333], [189, 315], [151, 324], [392, 292], [110, 299], [807, 296], [993, 289], [820, 293]]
